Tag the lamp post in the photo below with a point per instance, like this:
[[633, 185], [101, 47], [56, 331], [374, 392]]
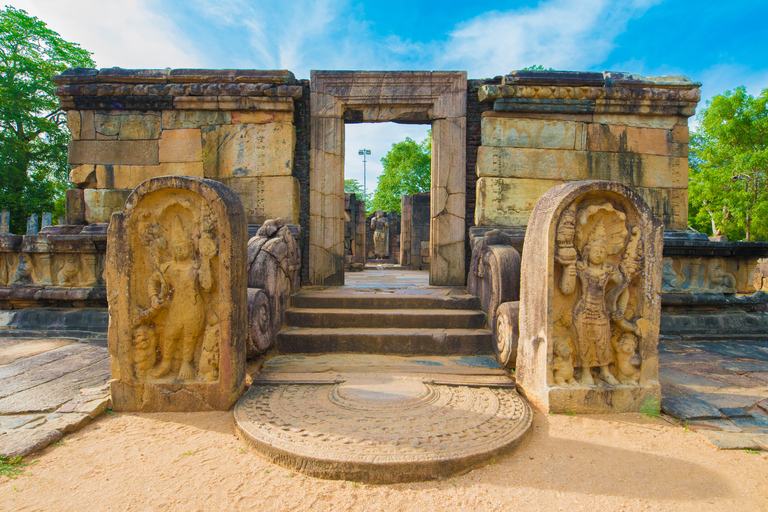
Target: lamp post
[[364, 152]]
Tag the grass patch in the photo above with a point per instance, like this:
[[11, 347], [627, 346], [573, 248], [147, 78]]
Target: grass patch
[[188, 452], [651, 407], [753, 452], [13, 467]]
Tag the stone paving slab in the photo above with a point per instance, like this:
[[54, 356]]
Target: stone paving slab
[[49, 388], [719, 387]]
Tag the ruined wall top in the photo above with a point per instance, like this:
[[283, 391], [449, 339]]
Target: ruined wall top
[[576, 92], [160, 89]]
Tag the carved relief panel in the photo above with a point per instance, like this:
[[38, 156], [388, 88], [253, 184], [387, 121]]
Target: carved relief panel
[[589, 337], [177, 259], [726, 275]]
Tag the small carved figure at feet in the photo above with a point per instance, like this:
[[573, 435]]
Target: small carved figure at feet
[[627, 361], [562, 366], [144, 350]]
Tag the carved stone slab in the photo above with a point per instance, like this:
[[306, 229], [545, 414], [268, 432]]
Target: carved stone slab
[[590, 300], [176, 286]]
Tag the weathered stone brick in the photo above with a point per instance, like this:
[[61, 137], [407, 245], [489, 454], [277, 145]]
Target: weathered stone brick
[[261, 117], [138, 152], [100, 204], [267, 197], [180, 119], [83, 176], [87, 128], [632, 169], [73, 123], [139, 127], [248, 150], [531, 133], [183, 145], [615, 138]]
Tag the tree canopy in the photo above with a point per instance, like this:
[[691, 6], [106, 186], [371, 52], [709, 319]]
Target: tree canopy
[[407, 170], [354, 187], [33, 134], [728, 187]]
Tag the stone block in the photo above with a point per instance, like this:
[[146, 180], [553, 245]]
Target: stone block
[[139, 127], [262, 117], [176, 286], [663, 122], [268, 197], [508, 202], [87, 125], [531, 133], [75, 207], [248, 150], [681, 135], [647, 141], [669, 204], [632, 169], [182, 119], [73, 123], [83, 176], [183, 145], [131, 176], [138, 152], [100, 204], [107, 124], [589, 301]]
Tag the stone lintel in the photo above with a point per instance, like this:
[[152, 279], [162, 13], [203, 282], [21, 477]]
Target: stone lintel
[[120, 75]]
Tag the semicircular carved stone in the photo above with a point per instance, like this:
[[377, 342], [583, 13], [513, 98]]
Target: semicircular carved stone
[[590, 300], [494, 276], [274, 262], [507, 333], [261, 335], [176, 289]]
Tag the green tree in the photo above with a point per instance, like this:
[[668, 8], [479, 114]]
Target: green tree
[[354, 187], [407, 170], [729, 167], [33, 134]]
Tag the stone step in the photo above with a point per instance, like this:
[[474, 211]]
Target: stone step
[[297, 340], [385, 318], [368, 300]]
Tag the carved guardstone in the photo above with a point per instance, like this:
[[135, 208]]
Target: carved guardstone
[[176, 286], [590, 300]]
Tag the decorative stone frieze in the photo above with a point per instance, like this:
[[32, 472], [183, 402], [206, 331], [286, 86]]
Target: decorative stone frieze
[[590, 300]]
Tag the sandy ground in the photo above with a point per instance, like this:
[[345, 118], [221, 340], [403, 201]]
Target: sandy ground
[[192, 462]]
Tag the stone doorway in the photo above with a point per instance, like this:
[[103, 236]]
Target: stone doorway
[[438, 98]]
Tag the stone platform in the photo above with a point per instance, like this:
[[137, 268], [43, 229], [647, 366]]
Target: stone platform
[[382, 418]]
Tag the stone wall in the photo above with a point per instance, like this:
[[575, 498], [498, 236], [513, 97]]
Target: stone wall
[[236, 127], [548, 128], [414, 231]]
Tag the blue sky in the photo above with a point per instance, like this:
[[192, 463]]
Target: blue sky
[[721, 44]]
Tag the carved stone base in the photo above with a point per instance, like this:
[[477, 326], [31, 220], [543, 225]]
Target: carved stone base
[[597, 400]]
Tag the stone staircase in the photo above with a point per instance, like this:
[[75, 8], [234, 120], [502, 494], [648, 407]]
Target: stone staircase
[[384, 380], [323, 321]]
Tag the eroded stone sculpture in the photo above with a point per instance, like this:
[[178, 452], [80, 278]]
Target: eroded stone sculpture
[[494, 276], [176, 290], [588, 341], [274, 262], [380, 227]]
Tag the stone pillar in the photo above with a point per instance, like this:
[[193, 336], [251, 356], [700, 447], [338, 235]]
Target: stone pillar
[[326, 202], [590, 300], [32, 226], [5, 222], [406, 217], [448, 200], [360, 233], [47, 220], [176, 286]]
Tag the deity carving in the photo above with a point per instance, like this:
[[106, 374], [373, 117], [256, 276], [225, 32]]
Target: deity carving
[[703, 275], [380, 227], [176, 287], [175, 332], [600, 257], [68, 270]]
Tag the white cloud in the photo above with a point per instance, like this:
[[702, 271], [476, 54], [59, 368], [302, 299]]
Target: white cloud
[[561, 34], [124, 33]]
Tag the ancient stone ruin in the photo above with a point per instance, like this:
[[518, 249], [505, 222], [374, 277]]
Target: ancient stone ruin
[[230, 237], [176, 287], [589, 300]]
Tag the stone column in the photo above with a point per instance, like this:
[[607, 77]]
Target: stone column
[[448, 203], [326, 202], [32, 228], [47, 220], [5, 222]]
